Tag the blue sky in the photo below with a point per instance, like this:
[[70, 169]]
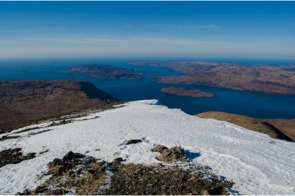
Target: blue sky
[[147, 29]]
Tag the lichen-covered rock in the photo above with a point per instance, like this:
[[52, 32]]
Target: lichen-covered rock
[[170, 155], [159, 148], [75, 173], [82, 175], [137, 179]]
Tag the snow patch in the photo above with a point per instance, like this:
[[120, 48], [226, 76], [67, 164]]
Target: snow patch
[[257, 163]]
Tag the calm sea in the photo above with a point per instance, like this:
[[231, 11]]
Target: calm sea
[[246, 103]]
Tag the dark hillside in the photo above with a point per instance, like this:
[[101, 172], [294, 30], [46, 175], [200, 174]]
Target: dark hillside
[[27, 101]]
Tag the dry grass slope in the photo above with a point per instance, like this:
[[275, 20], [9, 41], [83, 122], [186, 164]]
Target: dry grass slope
[[250, 123], [287, 126]]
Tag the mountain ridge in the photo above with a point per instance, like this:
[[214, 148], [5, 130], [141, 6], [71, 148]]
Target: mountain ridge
[[255, 162]]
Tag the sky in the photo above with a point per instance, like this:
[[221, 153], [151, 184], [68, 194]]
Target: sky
[[147, 29]]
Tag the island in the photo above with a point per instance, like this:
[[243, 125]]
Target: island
[[25, 102], [106, 72], [187, 92], [264, 79]]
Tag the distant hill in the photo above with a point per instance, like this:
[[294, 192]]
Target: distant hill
[[250, 123], [24, 101]]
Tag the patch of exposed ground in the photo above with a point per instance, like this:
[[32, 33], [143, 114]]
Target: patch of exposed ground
[[26, 102], [75, 173], [27, 130], [5, 137], [39, 132], [250, 123], [14, 156], [81, 174], [137, 179]]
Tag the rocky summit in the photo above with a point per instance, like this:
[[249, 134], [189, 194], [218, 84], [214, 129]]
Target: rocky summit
[[82, 174]]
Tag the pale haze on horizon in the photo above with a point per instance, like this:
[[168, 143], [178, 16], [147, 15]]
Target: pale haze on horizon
[[147, 29]]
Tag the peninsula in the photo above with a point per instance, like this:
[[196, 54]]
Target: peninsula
[[106, 72], [187, 92], [264, 79]]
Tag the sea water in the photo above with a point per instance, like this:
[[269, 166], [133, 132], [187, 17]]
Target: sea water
[[240, 102]]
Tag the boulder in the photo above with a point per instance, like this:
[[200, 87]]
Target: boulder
[[170, 155]]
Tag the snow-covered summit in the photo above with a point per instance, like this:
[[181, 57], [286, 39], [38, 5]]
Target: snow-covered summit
[[257, 163]]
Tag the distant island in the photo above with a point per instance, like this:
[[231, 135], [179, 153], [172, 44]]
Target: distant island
[[106, 72], [186, 92], [265, 79]]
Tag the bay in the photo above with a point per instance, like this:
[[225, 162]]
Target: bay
[[257, 105]]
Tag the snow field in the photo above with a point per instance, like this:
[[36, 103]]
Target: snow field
[[257, 163]]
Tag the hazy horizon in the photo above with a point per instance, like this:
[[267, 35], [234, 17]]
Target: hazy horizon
[[262, 30]]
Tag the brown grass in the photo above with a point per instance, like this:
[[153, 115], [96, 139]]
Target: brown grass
[[250, 123], [287, 126]]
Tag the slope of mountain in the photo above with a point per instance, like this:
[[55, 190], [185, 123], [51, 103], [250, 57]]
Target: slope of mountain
[[287, 126], [255, 162], [250, 123], [24, 101]]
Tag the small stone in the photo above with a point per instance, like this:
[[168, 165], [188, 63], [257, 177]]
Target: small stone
[[134, 141], [30, 156]]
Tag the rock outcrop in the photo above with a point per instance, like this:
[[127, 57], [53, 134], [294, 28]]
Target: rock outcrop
[[170, 155], [80, 174]]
